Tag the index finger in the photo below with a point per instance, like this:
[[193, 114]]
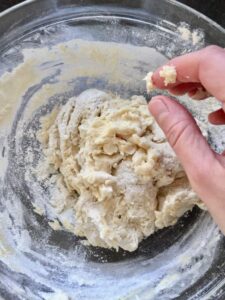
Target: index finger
[[206, 66]]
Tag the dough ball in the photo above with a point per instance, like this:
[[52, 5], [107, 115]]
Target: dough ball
[[117, 178]]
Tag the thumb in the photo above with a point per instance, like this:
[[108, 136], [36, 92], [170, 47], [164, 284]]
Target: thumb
[[184, 136], [204, 168]]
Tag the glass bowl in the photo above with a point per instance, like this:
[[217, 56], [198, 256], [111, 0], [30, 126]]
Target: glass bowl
[[49, 51]]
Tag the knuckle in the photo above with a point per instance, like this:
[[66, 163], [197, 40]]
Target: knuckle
[[177, 132], [212, 49]]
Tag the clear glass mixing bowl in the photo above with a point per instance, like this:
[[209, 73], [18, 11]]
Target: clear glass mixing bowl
[[185, 261]]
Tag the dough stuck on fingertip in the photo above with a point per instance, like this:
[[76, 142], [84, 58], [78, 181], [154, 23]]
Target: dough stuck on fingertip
[[169, 74], [149, 82]]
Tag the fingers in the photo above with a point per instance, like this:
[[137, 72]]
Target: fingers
[[186, 66], [190, 146], [217, 117], [195, 90], [204, 168], [184, 88], [205, 66], [198, 73], [199, 94], [182, 133]]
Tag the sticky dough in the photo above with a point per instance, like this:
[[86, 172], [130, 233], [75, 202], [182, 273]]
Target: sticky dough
[[114, 170], [168, 73]]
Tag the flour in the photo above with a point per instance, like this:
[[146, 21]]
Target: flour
[[184, 32], [194, 36], [58, 296]]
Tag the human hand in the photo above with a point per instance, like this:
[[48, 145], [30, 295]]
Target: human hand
[[202, 71]]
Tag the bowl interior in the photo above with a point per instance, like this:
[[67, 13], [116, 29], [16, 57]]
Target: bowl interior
[[58, 51]]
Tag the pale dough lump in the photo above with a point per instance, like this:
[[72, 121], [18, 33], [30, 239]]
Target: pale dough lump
[[149, 82], [168, 73], [114, 170]]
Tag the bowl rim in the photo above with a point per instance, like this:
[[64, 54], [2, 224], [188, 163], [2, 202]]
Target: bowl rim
[[172, 2]]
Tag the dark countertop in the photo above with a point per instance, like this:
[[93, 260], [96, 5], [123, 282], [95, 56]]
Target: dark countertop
[[4, 4], [214, 9]]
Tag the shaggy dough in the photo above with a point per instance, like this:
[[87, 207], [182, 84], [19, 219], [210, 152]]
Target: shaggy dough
[[115, 170]]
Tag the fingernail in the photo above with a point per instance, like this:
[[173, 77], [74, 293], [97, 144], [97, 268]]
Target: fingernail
[[157, 106]]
